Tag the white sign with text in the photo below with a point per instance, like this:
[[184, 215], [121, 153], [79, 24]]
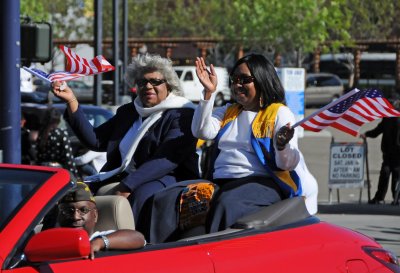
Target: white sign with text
[[293, 81], [346, 166]]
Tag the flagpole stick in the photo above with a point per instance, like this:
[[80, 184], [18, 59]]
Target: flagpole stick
[[333, 103]]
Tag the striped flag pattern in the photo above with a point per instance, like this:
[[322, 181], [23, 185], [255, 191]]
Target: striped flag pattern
[[55, 76], [63, 76], [76, 67], [350, 112], [77, 64]]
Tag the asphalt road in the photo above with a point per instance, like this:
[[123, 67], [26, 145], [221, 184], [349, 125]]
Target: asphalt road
[[348, 207]]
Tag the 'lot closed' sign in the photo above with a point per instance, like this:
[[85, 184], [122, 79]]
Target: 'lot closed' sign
[[346, 168]]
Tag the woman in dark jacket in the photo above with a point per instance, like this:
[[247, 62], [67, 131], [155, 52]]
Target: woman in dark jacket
[[53, 144], [149, 143]]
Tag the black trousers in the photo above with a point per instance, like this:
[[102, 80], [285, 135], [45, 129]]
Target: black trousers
[[390, 166], [239, 197], [234, 199]]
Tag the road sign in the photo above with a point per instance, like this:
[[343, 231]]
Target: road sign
[[293, 81], [346, 165]]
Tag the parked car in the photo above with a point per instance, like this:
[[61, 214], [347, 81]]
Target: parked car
[[38, 97], [192, 88], [82, 91], [41, 86], [34, 114], [322, 88], [279, 238]]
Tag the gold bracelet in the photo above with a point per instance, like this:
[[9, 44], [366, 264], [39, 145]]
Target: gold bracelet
[[72, 100]]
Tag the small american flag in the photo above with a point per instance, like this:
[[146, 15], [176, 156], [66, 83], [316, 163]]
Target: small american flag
[[350, 112], [76, 67], [55, 76], [77, 64]]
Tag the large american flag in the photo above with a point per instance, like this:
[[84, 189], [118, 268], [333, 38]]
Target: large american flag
[[350, 112], [76, 67]]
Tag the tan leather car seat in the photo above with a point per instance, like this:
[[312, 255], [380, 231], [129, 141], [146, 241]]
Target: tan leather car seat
[[114, 213], [107, 189]]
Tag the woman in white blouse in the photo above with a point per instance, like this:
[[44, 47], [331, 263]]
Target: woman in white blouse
[[257, 162]]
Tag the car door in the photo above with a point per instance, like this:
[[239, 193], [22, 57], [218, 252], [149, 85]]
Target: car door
[[177, 259]]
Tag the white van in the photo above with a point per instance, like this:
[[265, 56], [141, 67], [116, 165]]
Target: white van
[[192, 88]]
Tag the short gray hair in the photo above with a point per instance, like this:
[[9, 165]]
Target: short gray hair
[[148, 63]]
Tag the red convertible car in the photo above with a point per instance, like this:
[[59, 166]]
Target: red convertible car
[[280, 238]]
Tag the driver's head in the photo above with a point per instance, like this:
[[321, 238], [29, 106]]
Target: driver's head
[[78, 209]]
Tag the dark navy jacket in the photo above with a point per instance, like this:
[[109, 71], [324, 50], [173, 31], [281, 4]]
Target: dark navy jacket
[[167, 152]]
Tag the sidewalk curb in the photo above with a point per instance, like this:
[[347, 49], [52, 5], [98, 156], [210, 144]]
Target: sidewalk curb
[[355, 208]]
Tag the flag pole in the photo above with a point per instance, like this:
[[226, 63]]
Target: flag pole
[[333, 103]]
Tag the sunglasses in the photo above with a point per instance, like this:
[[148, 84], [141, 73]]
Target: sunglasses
[[70, 211], [154, 82], [241, 79]]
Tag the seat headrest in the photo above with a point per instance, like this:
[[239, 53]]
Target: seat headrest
[[115, 213]]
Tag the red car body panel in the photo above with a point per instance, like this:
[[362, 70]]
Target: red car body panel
[[268, 252], [179, 260], [308, 246], [302, 249]]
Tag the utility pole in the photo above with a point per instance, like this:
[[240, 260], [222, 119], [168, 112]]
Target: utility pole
[[10, 98], [116, 51], [98, 42], [125, 42]]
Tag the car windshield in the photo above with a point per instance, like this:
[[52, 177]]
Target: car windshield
[[178, 72], [15, 186], [97, 116]]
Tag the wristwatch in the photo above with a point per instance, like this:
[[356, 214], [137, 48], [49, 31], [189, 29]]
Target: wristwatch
[[106, 242]]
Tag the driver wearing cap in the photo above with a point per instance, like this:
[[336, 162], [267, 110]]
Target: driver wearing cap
[[77, 209]]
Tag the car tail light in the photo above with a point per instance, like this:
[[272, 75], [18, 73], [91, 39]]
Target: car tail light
[[385, 257]]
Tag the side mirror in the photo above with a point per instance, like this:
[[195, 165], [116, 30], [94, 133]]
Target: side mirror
[[58, 244]]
